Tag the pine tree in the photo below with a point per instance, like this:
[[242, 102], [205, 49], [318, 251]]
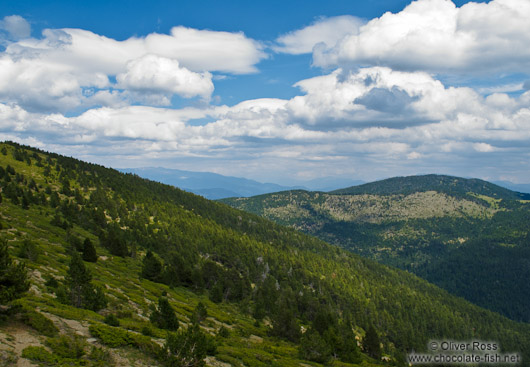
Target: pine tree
[[81, 291], [313, 347], [164, 315], [199, 314], [283, 319], [89, 251], [78, 278], [151, 267], [372, 344], [13, 277]]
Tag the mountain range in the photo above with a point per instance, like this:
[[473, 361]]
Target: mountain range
[[215, 186]]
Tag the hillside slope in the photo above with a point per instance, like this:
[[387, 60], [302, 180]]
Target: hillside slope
[[468, 236], [260, 282]]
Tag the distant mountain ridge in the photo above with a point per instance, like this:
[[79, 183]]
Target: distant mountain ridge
[[440, 183], [524, 188], [207, 184], [214, 186]]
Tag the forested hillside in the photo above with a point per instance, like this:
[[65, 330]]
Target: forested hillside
[[125, 271], [468, 236]]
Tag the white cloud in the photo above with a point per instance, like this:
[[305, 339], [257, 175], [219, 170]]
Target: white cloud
[[324, 31], [378, 96], [365, 105], [201, 50], [436, 36], [16, 27], [153, 73], [66, 69]]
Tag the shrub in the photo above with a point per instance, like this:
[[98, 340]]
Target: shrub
[[39, 354], [111, 320], [223, 332], [188, 348], [39, 322], [67, 346], [147, 331], [101, 357], [116, 337], [111, 336]]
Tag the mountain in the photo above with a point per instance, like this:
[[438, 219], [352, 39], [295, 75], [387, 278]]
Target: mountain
[[469, 236], [207, 184], [116, 263], [525, 188], [454, 186]]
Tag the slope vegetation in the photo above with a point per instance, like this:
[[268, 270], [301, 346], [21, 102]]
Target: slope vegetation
[[468, 236], [250, 287]]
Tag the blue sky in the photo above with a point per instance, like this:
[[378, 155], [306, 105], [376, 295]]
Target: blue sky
[[274, 91]]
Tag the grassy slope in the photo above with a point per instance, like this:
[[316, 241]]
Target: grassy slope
[[398, 303]]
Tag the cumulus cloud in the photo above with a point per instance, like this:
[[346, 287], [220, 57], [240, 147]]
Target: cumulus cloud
[[453, 123], [16, 27], [67, 69], [153, 73], [437, 36], [325, 31], [378, 96]]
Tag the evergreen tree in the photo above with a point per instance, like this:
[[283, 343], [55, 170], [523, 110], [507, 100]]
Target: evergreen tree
[[81, 291], [114, 241], [13, 277], [164, 315], [283, 319], [313, 347], [151, 267], [78, 278], [216, 293], [372, 344], [89, 251], [347, 347], [199, 314], [28, 250]]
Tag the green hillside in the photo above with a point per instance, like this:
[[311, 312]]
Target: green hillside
[[466, 235], [241, 290]]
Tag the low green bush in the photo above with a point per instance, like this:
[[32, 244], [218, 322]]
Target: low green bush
[[67, 346], [110, 336], [117, 337], [101, 357], [39, 354], [111, 320], [39, 322]]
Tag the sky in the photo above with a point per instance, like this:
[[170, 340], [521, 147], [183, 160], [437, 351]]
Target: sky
[[274, 91]]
